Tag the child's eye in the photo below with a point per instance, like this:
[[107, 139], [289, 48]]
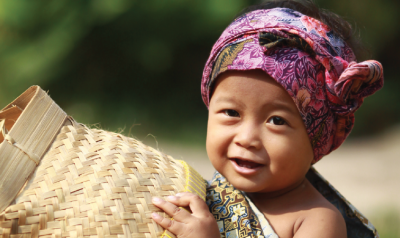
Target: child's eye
[[231, 113], [277, 121]]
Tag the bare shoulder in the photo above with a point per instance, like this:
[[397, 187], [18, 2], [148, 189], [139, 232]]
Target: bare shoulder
[[323, 220], [303, 213]]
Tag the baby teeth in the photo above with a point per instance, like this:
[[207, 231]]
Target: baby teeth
[[246, 166]]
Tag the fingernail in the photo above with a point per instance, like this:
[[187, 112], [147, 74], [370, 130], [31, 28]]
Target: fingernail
[[156, 200], [155, 215], [171, 198], [178, 194]]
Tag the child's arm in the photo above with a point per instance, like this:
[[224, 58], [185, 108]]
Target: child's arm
[[200, 223]]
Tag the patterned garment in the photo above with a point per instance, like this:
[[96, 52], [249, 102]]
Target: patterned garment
[[310, 61], [238, 217], [268, 232], [233, 213]]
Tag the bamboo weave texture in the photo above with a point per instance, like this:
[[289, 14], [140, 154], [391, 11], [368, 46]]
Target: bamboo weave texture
[[94, 183]]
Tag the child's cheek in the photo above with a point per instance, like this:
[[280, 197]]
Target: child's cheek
[[217, 142]]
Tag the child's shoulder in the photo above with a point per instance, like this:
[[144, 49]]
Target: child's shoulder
[[321, 221], [303, 213], [318, 217]]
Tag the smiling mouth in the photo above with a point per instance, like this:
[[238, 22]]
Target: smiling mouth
[[247, 164]]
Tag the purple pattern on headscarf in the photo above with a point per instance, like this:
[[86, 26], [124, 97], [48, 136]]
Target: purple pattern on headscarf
[[327, 87]]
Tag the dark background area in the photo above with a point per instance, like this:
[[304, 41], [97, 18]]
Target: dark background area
[[136, 66]]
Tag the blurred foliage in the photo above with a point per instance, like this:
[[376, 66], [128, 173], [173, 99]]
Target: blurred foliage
[[387, 223], [137, 65]]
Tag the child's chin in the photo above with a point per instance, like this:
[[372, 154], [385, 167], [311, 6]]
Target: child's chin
[[246, 185]]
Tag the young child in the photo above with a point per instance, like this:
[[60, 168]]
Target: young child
[[282, 88]]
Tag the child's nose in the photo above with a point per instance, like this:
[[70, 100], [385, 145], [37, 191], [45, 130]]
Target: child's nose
[[248, 136]]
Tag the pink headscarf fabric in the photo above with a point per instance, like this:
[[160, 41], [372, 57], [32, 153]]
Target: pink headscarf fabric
[[315, 66]]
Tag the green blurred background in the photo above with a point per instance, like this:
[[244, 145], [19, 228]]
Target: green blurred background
[[135, 66]]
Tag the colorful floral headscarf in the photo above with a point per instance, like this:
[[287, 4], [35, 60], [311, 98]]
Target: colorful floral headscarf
[[315, 66]]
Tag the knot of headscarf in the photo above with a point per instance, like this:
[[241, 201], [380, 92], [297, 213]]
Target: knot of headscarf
[[315, 66]]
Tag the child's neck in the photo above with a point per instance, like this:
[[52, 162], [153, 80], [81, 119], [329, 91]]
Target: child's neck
[[290, 191]]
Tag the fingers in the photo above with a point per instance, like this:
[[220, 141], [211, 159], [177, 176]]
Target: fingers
[[199, 224], [171, 209], [167, 223], [196, 204]]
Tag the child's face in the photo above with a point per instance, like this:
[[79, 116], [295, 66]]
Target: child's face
[[256, 137]]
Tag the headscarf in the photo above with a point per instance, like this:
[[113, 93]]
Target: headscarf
[[312, 63]]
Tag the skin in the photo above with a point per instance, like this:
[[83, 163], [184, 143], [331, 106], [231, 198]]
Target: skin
[[200, 223], [257, 140]]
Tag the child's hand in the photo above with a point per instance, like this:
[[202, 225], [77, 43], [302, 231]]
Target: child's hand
[[200, 223]]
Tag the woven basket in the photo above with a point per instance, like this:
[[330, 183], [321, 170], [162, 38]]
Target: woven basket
[[59, 178]]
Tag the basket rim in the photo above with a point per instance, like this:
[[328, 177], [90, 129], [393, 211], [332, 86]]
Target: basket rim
[[25, 144]]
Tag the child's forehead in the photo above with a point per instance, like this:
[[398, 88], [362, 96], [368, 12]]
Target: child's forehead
[[236, 86]]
